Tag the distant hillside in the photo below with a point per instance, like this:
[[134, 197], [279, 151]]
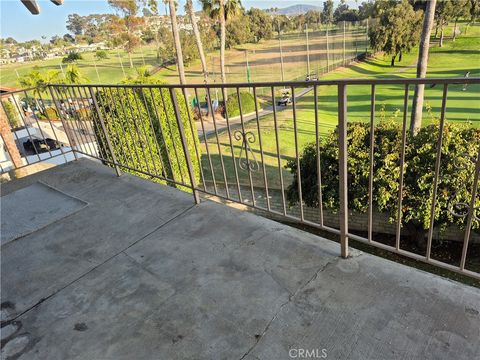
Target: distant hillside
[[297, 9]]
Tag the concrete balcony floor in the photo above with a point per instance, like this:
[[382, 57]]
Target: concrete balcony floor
[[138, 271]]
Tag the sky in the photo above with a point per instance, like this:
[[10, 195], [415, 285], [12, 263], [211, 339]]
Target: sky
[[17, 22]]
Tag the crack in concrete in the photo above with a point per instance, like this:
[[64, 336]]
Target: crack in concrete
[[277, 313]]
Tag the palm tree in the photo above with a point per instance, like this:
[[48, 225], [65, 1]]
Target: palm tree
[[73, 75], [417, 106], [198, 38], [176, 39], [39, 81], [221, 10]]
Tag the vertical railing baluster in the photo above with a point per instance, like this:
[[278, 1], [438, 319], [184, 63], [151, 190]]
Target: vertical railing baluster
[[119, 139], [265, 181], [222, 164], [83, 132], [68, 133], [297, 154], [38, 124], [471, 213], [437, 171], [194, 132], [343, 170], [277, 144], [245, 144], [22, 116], [224, 97], [317, 144], [15, 136], [169, 123], [147, 107], [206, 142], [88, 121], [145, 133], [137, 129], [162, 132], [53, 129], [402, 166], [105, 133], [186, 151], [126, 123], [372, 164]]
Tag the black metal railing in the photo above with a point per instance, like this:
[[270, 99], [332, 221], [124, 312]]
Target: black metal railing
[[168, 134]]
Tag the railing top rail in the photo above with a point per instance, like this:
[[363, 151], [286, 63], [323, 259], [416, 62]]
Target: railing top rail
[[8, 93], [397, 81]]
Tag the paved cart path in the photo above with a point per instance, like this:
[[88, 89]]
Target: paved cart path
[[236, 121]]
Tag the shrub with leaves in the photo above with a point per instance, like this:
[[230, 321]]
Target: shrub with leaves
[[143, 131], [12, 115], [459, 151], [247, 101]]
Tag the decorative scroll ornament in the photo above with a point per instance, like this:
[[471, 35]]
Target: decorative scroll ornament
[[249, 162]]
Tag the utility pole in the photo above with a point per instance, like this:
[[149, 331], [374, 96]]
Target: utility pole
[[121, 64], [96, 70], [344, 56], [328, 54], [247, 66], [308, 51], [281, 53], [63, 73]]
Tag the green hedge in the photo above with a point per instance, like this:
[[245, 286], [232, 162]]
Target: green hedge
[[11, 113], [247, 101], [459, 147], [129, 115]]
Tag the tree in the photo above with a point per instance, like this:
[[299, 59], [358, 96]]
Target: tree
[[68, 38], [474, 10], [72, 57], [222, 11], [327, 12], [313, 17], [422, 63], [461, 9], [101, 54], [10, 40], [176, 39], [443, 14], [460, 144], [396, 31], [39, 81], [238, 31], [76, 24], [280, 23], [366, 10], [344, 13], [73, 75], [198, 38], [124, 29], [222, 15], [260, 23]]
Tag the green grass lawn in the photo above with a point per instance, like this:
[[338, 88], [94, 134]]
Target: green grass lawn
[[263, 59], [454, 59], [109, 70]]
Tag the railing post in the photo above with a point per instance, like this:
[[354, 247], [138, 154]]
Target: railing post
[[104, 129], [342, 163], [70, 139], [181, 130]]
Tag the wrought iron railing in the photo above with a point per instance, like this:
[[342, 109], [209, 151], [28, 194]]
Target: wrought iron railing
[[162, 132]]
